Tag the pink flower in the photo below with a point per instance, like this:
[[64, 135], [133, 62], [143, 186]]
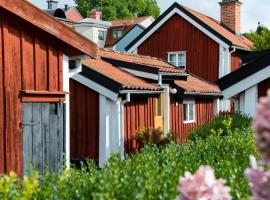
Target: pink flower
[[259, 182], [203, 186], [261, 126]]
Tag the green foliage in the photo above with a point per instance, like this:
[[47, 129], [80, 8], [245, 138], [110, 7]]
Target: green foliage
[[146, 136], [152, 173], [119, 9], [260, 38], [222, 125]]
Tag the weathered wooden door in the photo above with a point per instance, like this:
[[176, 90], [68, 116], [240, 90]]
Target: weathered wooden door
[[43, 136]]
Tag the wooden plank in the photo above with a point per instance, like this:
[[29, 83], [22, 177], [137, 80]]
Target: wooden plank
[[27, 136], [53, 69], [2, 105], [60, 136], [41, 65], [42, 99], [28, 62], [60, 71], [37, 138], [46, 132], [72, 42], [12, 46]]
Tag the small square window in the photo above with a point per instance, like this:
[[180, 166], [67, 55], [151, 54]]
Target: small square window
[[101, 35], [177, 59], [189, 111], [117, 34]]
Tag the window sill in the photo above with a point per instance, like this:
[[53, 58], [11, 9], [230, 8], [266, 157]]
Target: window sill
[[189, 122]]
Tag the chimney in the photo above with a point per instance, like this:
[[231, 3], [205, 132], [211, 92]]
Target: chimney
[[66, 7], [52, 4], [94, 14], [231, 15]]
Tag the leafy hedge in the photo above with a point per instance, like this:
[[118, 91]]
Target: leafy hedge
[[150, 174], [222, 125]]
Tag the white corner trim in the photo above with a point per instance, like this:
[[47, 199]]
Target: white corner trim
[[247, 83], [67, 104], [166, 18], [96, 87]]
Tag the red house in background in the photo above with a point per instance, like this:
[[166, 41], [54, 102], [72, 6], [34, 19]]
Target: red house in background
[[192, 40]]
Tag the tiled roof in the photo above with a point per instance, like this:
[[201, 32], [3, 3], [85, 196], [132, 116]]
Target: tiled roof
[[133, 21], [110, 40], [153, 62], [195, 84], [240, 41], [128, 81], [125, 25]]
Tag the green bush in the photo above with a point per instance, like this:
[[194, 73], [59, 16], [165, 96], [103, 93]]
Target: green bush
[[221, 125], [149, 174]]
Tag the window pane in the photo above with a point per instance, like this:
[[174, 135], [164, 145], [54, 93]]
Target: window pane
[[101, 35], [191, 112], [172, 59], [185, 112], [181, 60]]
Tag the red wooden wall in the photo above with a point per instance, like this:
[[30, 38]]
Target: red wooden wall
[[235, 61], [84, 121], [263, 87], [139, 113], [179, 35], [27, 62], [204, 113]]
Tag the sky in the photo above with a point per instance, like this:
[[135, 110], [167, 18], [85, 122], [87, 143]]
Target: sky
[[253, 11]]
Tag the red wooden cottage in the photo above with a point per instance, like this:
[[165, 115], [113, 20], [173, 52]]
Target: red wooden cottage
[[188, 39], [34, 62], [118, 93], [187, 100], [108, 105]]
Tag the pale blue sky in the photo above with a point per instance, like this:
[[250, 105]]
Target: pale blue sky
[[253, 11]]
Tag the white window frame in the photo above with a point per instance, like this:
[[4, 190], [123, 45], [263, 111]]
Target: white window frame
[[188, 102], [119, 34], [177, 53], [103, 32]]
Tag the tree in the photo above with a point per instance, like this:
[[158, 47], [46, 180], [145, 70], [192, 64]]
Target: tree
[[260, 38], [119, 9]]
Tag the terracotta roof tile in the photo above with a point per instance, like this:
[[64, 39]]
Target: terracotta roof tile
[[153, 62], [125, 25], [197, 85], [240, 41], [133, 21], [128, 81], [110, 40]]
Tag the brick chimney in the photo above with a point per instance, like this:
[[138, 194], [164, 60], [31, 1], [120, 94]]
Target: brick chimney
[[231, 15], [52, 4], [94, 14]]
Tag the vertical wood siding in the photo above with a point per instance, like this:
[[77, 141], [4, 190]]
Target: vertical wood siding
[[139, 113], [26, 64], [179, 35], [235, 61], [263, 87], [84, 121], [204, 113]]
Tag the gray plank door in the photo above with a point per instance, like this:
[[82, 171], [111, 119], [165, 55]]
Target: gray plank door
[[43, 136]]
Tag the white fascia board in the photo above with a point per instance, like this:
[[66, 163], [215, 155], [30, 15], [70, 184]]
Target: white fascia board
[[190, 20], [141, 74], [247, 83], [96, 87]]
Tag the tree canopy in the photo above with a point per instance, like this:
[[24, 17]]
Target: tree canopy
[[260, 38], [119, 9]]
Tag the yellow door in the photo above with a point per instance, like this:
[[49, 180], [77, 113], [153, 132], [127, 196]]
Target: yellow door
[[159, 112]]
